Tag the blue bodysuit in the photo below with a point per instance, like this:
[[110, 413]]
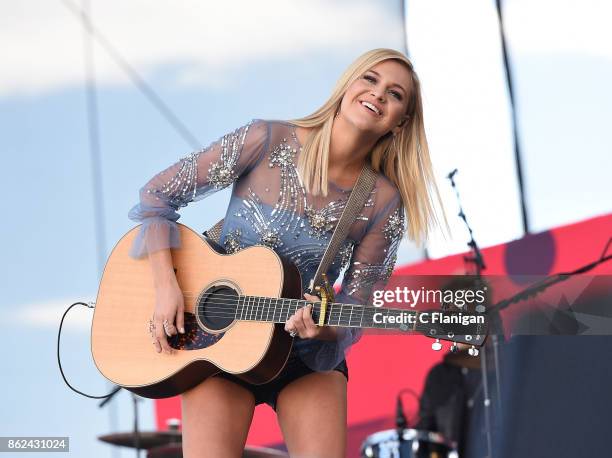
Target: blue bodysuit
[[270, 206]]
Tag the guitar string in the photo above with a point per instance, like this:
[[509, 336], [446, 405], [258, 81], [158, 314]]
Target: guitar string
[[332, 307], [250, 309], [263, 298], [220, 313], [230, 315], [253, 308], [344, 323], [340, 323], [333, 316], [222, 310], [266, 308]]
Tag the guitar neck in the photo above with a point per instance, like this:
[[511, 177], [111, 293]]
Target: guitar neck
[[278, 310]]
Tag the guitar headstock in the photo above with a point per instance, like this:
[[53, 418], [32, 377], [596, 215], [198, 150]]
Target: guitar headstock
[[475, 334], [457, 327]]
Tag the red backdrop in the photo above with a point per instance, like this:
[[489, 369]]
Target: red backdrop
[[381, 365]]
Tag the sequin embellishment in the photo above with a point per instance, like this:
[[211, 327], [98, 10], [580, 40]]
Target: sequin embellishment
[[282, 155], [323, 220], [222, 173], [181, 188], [232, 241], [394, 227], [362, 276], [284, 216], [253, 212], [345, 253]]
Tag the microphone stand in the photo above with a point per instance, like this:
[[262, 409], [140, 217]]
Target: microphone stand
[[477, 260], [135, 401], [401, 422]]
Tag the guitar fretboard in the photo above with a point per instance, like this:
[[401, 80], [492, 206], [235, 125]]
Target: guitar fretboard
[[278, 310]]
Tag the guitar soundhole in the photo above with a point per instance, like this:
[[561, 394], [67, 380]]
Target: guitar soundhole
[[217, 307]]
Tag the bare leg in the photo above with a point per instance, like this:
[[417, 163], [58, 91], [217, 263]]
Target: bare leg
[[217, 415], [312, 415]]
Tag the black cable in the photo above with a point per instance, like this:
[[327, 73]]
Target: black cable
[[538, 287], [515, 133], [414, 395], [476, 259], [59, 363], [138, 81]]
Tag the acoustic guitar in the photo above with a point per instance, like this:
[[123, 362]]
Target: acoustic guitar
[[235, 309]]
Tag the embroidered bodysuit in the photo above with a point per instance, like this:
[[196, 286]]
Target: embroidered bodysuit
[[270, 206]]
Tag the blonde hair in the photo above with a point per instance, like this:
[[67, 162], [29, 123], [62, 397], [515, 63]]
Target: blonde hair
[[403, 158]]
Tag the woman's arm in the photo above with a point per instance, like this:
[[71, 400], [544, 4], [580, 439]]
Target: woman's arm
[[190, 179], [371, 265]]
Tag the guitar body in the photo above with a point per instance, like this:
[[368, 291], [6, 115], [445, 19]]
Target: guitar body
[[214, 341]]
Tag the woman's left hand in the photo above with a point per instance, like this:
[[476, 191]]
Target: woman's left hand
[[302, 324]]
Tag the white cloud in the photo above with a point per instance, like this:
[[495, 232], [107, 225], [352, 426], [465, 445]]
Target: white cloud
[[47, 314], [202, 39], [559, 27]]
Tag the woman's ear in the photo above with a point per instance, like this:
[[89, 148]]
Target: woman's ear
[[399, 127]]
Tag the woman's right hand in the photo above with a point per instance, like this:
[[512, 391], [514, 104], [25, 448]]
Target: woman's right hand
[[169, 309]]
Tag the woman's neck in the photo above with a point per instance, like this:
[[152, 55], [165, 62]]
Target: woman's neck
[[348, 150]]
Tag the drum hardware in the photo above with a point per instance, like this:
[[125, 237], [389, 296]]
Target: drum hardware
[[413, 443], [147, 439]]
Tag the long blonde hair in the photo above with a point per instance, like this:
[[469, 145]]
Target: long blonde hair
[[403, 158]]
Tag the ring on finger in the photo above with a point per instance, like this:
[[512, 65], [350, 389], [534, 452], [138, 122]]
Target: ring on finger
[[166, 326]]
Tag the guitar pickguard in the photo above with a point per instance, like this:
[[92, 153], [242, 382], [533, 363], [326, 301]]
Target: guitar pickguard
[[195, 337]]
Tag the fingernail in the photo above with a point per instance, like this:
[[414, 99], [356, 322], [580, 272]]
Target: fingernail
[[182, 330]]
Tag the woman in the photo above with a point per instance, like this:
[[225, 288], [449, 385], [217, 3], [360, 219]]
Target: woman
[[290, 184]]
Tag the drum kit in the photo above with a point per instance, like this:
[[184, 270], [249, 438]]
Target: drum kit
[[415, 443]]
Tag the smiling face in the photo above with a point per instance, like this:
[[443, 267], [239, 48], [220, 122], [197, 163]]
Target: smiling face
[[376, 102]]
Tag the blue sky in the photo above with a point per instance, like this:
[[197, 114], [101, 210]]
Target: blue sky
[[278, 66]]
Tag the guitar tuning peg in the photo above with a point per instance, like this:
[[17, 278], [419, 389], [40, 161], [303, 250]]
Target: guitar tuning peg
[[473, 351], [454, 348], [436, 346]]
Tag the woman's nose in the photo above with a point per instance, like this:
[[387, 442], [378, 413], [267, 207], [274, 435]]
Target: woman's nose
[[377, 95]]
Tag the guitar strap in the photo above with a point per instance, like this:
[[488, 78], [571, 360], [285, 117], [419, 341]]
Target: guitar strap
[[354, 205]]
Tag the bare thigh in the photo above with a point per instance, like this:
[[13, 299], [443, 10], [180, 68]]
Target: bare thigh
[[217, 415], [312, 415]]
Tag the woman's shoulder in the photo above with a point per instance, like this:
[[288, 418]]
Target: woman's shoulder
[[387, 192], [273, 123], [277, 130]]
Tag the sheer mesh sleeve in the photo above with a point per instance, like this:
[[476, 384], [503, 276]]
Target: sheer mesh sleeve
[[190, 179], [371, 266]]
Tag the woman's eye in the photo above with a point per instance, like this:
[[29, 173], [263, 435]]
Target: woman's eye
[[396, 94], [369, 78]]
